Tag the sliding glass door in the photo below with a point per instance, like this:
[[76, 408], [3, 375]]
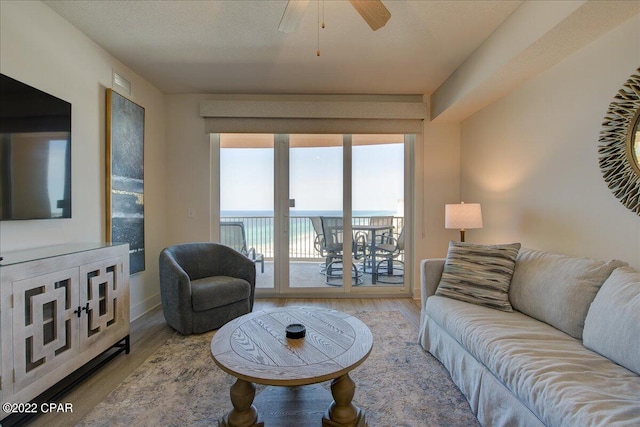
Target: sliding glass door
[[321, 214], [316, 205], [378, 173], [247, 200]]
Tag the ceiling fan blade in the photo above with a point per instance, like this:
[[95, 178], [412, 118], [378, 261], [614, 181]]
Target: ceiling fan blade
[[292, 15], [373, 12]]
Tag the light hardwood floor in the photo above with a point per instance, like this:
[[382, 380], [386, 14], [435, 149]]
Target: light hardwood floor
[[150, 331]]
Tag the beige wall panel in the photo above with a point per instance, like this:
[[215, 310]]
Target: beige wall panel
[[531, 158]]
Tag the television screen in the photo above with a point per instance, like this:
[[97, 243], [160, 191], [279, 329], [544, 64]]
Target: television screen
[[35, 153]]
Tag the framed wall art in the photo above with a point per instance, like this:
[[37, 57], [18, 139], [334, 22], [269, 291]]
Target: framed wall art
[[125, 176]]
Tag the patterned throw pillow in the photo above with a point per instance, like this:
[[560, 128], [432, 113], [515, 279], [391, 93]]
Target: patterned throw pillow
[[479, 274]]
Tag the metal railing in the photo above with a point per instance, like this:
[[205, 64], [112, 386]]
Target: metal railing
[[260, 234]]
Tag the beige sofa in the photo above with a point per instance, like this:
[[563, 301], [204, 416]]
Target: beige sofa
[[567, 355]]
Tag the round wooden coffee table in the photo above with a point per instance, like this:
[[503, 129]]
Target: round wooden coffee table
[[254, 349]]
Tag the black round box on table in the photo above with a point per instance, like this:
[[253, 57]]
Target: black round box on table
[[295, 331]]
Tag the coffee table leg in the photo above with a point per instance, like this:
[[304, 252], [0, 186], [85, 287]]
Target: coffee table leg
[[243, 414], [342, 412]]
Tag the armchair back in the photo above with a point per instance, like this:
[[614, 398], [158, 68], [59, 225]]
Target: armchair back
[[206, 259]]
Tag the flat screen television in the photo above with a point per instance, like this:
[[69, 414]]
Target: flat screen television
[[35, 153]]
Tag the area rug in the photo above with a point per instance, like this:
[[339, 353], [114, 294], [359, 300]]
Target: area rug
[[399, 385]]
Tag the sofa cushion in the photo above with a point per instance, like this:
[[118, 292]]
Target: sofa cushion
[[218, 291], [553, 374], [612, 326], [557, 289], [479, 274]]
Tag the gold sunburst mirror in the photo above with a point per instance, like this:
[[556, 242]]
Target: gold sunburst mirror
[[619, 147]]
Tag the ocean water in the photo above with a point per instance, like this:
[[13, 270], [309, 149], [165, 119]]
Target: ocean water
[[259, 229], [302, 213]]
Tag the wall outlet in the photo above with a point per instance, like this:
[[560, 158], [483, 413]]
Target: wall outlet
[[190, 213]]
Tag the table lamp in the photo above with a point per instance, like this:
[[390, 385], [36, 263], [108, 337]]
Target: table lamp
[[463, 216]]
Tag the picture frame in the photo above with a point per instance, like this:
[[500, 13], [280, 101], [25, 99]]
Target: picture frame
[[125, 176]]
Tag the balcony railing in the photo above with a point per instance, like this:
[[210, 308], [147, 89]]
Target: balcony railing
[[260, 234]]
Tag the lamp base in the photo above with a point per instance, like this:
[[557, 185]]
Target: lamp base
[[462, 235]]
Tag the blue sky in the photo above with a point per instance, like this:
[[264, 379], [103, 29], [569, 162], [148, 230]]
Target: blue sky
[[315, 178]]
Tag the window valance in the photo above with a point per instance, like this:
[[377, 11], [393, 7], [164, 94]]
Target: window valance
[[308, 114]]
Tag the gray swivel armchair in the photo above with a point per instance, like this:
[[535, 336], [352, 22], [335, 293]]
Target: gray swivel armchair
[[204, 285]]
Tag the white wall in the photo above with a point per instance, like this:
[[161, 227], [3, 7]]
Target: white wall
[[531, 158], [40, 48], [438, 167], [187, 171], [441, 185]]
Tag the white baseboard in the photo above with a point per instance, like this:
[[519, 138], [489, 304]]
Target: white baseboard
[[145, 306]]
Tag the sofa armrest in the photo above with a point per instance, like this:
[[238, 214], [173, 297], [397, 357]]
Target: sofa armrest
[[430, 273]]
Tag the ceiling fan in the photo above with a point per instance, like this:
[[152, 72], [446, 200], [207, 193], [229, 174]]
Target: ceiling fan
[[372, 11]]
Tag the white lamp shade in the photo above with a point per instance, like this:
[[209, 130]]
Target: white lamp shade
[[463, 216]]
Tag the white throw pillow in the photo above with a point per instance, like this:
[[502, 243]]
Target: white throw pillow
[[612, 326], [557, 289]]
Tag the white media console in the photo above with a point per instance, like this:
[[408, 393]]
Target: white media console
[[60, 307]]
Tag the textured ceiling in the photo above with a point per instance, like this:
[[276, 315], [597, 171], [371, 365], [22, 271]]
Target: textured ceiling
[[235, 46]]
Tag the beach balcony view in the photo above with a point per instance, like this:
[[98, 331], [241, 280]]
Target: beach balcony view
[[307, 260], [314, 169]]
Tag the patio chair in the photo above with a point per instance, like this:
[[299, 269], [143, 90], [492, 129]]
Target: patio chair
[[333, 238], [377, 220], [232, 235], [381, 220], [368, 236], [318, 243], [390, 251]]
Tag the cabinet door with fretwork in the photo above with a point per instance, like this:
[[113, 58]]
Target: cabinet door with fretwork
[[45, 335], [104, 294]]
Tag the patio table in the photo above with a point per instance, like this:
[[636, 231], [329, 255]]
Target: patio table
[[373, 229]]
